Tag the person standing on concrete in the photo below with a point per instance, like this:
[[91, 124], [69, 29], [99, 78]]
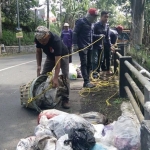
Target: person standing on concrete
[[101, 29], [66, 36], [54, 48], [81, 39]]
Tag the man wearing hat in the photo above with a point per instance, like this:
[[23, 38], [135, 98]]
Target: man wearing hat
[[66, 36], [81, 39], [54, 48]]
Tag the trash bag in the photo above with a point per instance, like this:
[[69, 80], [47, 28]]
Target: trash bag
[[103, 133], [60, 143], [81, 139], [41, 130], [98, 147], [50, 113], [27, 144], [72, 72], [95, 118], [46, 143], [37, 143], [62, 124], [126, 134]]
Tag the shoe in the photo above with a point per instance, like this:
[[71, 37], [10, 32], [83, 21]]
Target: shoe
[[88, 85], [65, 105], [109, 73]]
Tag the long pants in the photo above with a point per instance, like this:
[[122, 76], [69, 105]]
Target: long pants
[[64, 85], [96, 59], [85, 59], [106, 60], [70, 52]]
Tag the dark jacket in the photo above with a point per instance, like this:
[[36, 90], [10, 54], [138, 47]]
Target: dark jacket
[[82, 33], [113, 36], [66, 36], [98, 30]]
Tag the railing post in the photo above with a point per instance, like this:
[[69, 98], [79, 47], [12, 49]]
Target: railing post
[[122, 79], [147, 102], [122, 48], [115, 58], [145, 135]]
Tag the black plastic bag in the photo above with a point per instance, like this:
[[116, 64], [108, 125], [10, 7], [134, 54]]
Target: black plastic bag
[[81, 139]]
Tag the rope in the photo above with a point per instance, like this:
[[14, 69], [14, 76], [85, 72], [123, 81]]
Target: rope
[[99, 83]]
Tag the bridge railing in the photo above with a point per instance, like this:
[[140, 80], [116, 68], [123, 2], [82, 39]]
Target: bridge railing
[[129, 88]]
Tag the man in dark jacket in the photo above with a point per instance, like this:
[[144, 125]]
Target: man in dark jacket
[[66, 36], [101, 29], [81, 39]]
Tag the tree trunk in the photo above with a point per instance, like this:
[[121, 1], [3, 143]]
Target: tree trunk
[[48, 14], [137, 21], [0, 22]]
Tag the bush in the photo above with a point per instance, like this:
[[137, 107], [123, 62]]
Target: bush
[[9, 36]]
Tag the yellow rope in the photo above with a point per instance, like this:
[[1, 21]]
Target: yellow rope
[[97, 82]]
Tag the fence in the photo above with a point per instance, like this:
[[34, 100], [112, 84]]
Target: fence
[[128, 88]]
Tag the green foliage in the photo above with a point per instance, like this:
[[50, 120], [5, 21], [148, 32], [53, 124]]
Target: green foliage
[[9, 38]]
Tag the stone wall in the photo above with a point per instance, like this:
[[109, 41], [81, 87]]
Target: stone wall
[[14, 49]]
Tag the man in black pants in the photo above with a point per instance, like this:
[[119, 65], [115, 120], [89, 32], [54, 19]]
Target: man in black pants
[[81, 39], [101, 29], [54, 48]]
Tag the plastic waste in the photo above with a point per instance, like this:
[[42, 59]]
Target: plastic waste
[[50, 113], [81, 139], [46, 143], [126, 134], [103, 133], [41, 130], [60, 143], [98, 147], [94, 117], [63, 124], [26, 144], [72, 72]]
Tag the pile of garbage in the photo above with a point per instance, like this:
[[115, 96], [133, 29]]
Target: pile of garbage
[[57, 130]]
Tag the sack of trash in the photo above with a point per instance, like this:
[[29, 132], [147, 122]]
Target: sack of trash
[[63, 124], [50, 113], [126, 135], [81, 139], [95, 118]]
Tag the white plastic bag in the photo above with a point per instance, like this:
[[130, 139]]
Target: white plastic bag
[[126, 134], [41, 130], [46, 143], [72, 72], [103, 133], [60, 143], [94, 117], [26, 144], [50, 113], [62, 124]]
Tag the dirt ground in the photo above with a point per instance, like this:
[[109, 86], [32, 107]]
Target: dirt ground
[[96, 101]]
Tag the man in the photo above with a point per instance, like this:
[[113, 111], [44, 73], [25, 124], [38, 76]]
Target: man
[[119, 30], [66, 37], [81, 39], [54, 48], [101, 29]]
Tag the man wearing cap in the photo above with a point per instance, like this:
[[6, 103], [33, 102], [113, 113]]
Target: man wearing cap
[[66, 36], [101, 29], [54, 48], [81, 39]]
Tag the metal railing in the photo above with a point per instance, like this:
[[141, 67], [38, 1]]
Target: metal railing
[[128, 88]]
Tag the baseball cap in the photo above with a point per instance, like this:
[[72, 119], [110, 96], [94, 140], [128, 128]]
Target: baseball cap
[[66, 25], [93, 11], [119, 27], [40, 32]]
